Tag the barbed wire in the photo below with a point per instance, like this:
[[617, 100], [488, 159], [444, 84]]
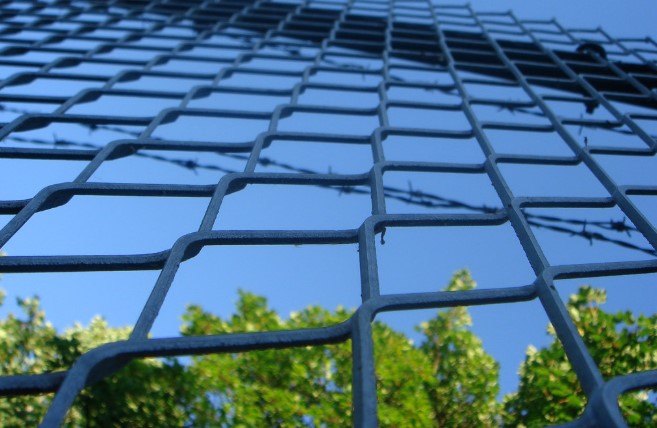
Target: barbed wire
[[409, 196]]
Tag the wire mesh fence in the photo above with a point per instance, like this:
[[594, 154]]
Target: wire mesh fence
[[246, 94]]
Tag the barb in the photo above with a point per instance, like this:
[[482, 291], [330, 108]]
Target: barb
[[592, 236], [409, 196]]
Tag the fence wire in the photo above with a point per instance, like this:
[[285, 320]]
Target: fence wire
[[376, 69]]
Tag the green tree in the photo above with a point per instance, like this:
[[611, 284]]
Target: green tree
[[144, 393], [620, 343], [446, 381], [466, 377]]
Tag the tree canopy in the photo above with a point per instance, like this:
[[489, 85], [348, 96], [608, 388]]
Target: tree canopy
[[447, 379], [620, 343]]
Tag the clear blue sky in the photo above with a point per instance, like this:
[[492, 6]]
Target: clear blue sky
[[294, 277], [634, 18]]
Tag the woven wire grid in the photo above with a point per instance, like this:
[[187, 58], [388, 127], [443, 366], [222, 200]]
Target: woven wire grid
[[408, 56]]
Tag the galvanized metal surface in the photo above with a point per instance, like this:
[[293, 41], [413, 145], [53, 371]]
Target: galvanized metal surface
[[410, 36]]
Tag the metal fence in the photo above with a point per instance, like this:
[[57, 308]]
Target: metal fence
[[488, 77]]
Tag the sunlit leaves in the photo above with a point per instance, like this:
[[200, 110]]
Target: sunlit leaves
[[446, 380], [620, 343]]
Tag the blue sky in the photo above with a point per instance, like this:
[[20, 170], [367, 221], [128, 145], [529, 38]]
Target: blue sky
[[620, 19], [293, 277]]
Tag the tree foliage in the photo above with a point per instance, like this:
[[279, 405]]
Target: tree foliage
[[620, 343], [447, 379], [145, 393]]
